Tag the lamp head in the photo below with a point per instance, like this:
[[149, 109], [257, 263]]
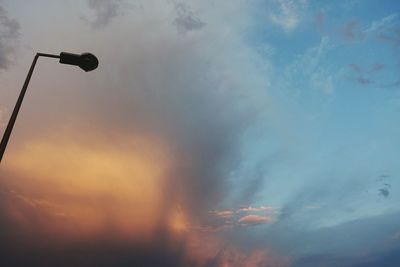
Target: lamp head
[[85, 61]]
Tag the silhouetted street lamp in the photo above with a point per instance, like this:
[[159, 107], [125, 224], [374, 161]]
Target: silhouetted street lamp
[[85, 61]]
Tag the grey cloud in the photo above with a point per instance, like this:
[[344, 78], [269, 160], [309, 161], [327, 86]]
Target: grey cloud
[[365, 74], [9, 33], [364, 81], [384, 192], [186, 19], [104, 11], [367, 69], [355, 68], [377, 67]]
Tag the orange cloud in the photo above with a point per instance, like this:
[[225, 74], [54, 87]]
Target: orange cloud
[[97, 188], [86, 190]]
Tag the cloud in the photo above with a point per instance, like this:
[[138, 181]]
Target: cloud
[[136, 160], [233, 257], [228, 219], [382, 24], [391, 84], [384, 192], [312, 207], [310, 67], [9, 33], [324, 81], [396, 236], [2, 119], [255, 209], [391, 37], [250, 220], [186, 21], [365, 75], [286, 13], [364, 81], [386, 30], [355, 68], [215, 229], [223, 214], [123, 166], [376, 67], [320, 21], [351, 31], [104, 11]]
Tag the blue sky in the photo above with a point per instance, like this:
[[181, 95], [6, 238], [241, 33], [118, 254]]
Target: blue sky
[[214, 133]]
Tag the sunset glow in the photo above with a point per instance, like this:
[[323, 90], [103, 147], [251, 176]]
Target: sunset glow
[[211, 133]]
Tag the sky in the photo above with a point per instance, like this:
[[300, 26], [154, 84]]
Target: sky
[[255, 133]]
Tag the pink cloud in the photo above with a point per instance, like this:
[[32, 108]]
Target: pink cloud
[[223, 213], [352, 32], [250, 209], [254, 220]]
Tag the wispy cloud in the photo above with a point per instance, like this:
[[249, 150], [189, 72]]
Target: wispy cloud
[[382, 23], [310, 68], [9, 33], [286, 13]]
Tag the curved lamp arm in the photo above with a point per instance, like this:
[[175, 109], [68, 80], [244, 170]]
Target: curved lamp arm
[[85, 61]]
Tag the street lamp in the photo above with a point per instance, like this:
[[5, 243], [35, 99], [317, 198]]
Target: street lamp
[[85, 61]]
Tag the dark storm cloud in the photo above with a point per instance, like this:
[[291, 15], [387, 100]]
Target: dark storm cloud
[[197, 96], [101, 253], [9, 32]]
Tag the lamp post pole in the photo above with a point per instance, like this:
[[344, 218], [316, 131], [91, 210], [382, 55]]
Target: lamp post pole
[[86, 61]]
